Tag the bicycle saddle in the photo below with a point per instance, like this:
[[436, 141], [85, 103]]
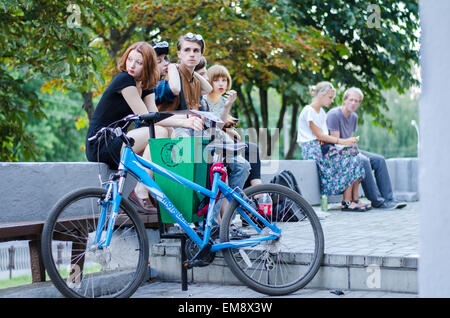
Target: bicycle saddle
[[206, 114], [154, 117], [227, 146]]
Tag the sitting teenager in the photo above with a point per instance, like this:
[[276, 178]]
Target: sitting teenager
[[168, 89], [130, 92], [200, 68], [186, 85], [219, 101]]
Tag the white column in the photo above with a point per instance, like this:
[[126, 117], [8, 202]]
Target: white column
[[434, 165]]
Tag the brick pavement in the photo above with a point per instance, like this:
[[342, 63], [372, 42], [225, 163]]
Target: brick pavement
[[374, 250], [373, 233], [200, 290]]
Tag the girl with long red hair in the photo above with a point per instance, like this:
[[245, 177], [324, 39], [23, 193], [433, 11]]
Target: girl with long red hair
[[130, 92]]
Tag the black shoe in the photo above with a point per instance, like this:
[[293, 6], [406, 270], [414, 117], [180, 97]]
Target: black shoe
[[367, 207], [346, 207], [215, 229]]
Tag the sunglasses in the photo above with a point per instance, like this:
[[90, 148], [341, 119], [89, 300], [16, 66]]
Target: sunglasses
[[192, 36], [161, 45]]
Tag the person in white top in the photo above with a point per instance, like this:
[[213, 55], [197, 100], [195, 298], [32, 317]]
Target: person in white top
[[340, 169]]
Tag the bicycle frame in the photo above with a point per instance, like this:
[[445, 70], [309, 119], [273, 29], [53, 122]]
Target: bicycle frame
[[130, 162]]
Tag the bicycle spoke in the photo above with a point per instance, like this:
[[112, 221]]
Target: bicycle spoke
[[80, 268], [272, 266]]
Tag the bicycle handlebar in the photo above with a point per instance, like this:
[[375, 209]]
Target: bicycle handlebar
[[147, 120]]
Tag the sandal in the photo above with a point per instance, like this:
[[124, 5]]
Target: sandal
[[367, 207], [346, 207]]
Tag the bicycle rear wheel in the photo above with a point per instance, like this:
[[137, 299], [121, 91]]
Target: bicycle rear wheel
[[79, 268], [281, 266]]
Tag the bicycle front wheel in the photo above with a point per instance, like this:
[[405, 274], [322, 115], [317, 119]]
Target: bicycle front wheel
[[77, 265], [283, 265]]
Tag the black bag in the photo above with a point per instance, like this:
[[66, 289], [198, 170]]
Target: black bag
[[284, 211], [325, 148], [287, 179]]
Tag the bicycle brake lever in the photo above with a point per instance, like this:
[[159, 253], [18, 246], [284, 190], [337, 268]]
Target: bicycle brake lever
[[118, 131], [97, 135]]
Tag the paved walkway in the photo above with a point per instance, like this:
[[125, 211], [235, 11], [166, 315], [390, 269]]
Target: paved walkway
[[373, 233], [199, 290], [383, 233]]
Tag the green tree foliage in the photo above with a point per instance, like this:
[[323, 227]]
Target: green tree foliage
[[57, 137], [17, 103], [378, 50], [402, 140], [49, 40]]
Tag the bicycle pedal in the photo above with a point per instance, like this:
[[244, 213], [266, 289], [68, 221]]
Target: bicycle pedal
[[195, 263]]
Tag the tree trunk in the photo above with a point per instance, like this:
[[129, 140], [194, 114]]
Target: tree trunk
[[88, 104], [282, 113], [264, 136], [117, 39], [263, 103], [247, 114], [252, 109], [293, 133]]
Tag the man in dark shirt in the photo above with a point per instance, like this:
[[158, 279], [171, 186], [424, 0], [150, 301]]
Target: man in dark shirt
[[165, 91], [342, 122]]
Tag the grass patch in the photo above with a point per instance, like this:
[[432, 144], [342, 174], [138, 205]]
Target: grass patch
[[27, 279], [15, 281]]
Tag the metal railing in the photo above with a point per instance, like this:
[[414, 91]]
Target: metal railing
[[14, 258]]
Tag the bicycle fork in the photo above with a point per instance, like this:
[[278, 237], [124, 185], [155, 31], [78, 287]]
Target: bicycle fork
[[114, 195]]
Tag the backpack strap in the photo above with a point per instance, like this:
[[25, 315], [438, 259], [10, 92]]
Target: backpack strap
[[294, 181], [183, 104]]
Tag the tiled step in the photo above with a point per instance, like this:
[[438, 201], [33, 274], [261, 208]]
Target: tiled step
[[346, 272]]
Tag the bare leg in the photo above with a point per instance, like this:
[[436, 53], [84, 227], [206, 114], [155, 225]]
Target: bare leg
[[348, 195], [355, 195], [163, 132], [140, 136], [255, 182]]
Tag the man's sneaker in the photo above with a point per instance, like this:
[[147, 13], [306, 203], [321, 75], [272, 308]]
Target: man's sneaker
[[387, 205], [398, 204], [391, 205]]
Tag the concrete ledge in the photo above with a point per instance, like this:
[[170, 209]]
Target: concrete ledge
[[403, 173], [348, 272], [30, 189]]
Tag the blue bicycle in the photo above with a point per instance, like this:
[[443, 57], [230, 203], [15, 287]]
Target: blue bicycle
[[106, 246]]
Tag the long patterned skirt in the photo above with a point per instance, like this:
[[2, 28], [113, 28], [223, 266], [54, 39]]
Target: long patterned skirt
[[338, 168]]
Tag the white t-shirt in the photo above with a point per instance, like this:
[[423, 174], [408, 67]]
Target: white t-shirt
[[308, 114]]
